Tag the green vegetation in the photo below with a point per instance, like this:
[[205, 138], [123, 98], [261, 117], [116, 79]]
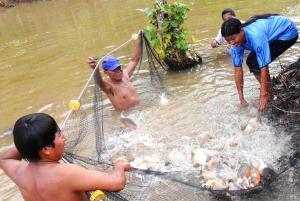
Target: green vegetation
[[166, 35]]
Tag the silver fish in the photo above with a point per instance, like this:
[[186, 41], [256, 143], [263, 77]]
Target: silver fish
[[128, 123], [249, 174], [244, 170]]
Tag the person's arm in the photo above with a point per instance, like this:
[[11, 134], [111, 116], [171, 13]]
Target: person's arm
[[12, 153], [214, 43], [135, 58], [237, 60], [239, 82], [97, 76], [219, 40], [88, 180], [10, 161], [265, 88]]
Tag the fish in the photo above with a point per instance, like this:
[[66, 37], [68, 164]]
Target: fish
[[244, 170], [242, 125], [251, 126], [233, 186], [243, 183], [216, 184], [213, 164], [149, 164], [140, 164], [208, 175], [250, 175], [253, 122], [199, 158], [265, 171], [205, 137], [128, 123], [163, 100]]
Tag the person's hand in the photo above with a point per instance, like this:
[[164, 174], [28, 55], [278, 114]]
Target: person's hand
[[263, 101], [243, 103], [214, 44], [92, 62], [122, 163], [140, 33]]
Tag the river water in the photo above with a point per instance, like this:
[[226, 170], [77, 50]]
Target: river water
[[44, 45]]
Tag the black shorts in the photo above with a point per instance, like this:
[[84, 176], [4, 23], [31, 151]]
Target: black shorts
[[277, 47]]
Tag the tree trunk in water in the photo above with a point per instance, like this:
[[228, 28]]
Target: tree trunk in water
[[183, 62]]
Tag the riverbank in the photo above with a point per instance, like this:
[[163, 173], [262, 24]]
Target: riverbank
[[286, 90], [284, 110]]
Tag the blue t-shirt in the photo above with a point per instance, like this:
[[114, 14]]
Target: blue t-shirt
[[259, 34]]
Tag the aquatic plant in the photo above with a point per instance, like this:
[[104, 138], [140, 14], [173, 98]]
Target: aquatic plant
[[166, 34]]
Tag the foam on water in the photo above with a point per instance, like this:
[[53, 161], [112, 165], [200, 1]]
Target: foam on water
[[169, 135]]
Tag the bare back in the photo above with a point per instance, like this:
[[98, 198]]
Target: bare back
[[43, 181]]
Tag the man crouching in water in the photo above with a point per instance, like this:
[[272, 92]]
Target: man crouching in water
[[119, 89], [39, 140]]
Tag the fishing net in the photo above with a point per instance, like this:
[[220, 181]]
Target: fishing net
[[85, 128], [95, 137], [88, 129]]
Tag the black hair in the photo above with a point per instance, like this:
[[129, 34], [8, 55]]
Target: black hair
[[228, 10], [33, 132], [257, 17], [231, 27]]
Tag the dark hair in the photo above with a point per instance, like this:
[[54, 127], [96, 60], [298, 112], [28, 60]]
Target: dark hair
[[231, 27], [257, 17], [228, 10], [33, 132]]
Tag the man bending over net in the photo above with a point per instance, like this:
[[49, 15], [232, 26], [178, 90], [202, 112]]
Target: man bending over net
[[119, 89], [41, 177]]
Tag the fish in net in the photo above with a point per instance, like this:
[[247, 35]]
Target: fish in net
[[93, 139]]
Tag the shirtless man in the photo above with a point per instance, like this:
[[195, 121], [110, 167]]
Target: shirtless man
[[119, 89], [41, 177]]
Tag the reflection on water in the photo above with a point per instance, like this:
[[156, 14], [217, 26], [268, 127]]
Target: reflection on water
[[43, 51]]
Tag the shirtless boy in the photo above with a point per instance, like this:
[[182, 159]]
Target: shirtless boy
[[41, 177]]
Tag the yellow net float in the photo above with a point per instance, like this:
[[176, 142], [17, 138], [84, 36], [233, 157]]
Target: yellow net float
[[74, 105], [98, 196], [135, 36], [194, 40]]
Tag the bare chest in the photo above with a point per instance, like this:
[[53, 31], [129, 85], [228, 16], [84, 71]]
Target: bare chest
[[123, 89]]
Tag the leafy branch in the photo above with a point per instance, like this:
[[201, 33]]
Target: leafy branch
[[166, 35]]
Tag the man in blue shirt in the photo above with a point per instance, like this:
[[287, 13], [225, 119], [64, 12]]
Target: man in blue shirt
[[266, 36]]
